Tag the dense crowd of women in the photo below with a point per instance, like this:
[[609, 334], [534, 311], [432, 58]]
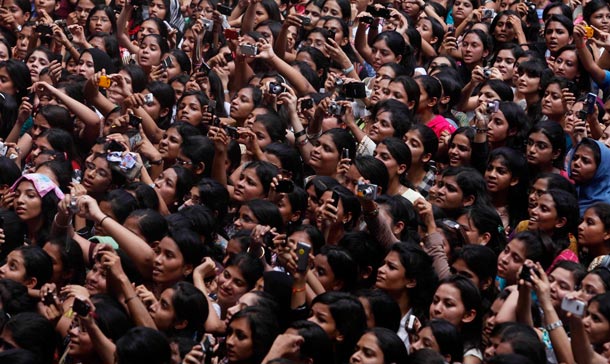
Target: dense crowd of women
[[308, 181]]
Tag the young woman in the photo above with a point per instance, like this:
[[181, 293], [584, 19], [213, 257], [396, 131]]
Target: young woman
[[529, 87], [458, 188], [460, 147], [325, 157], [596, 282], [152, 47], [557, 33], [505, 58], [430, 94], [594, 230], [390, 118], [441, 336], [28, 265], [239, 276], [508, 127], [590, 172], [396, 156], [523, 246], [423, 144], [546, 148], [379, 346], [507, 184], [555, 99], [458, 301], [335, 269], [172, 184]]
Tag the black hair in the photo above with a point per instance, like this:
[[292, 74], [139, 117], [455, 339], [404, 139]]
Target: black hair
[[215, 196], [143, 344], [34, 333], [343, 265], [448, 338], [266, 212], [392, 346], [199, 149], [188, 242], [400, 115], [250, 267], [516, 164], [164, 93], [265, 171], [384, 309], [122, 203], [290, 159], [145, 195], [57, 117], [316, 343], [202, 221], [373, 170], [72, 260], [264, 329], [190, 305], [37, 263], [20, 75]]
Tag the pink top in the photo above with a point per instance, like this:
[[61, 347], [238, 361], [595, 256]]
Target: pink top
[[440, 124]]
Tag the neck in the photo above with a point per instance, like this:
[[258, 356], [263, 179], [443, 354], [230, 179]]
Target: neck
[[34, 227], [395, 187], [500, 198], [404, 303], [425, 116], [599, 249], [532, 98], [334, 233], [416, 174]]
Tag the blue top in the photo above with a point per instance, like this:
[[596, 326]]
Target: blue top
[[598, 188]]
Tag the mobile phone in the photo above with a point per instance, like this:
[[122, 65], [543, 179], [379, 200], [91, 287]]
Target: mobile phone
[[285, 186], [248, 49], [81, 307], [335, 197], [231, 34], [383, 13], [64, 28], [331, 35], [451, 30], [367, 19], [104, 81], [305, 20], [48, 299], [74, 204], [345, 153], [591, 99], [268, 239], [166, 63], [276, 88], [575, 307], [208, 24], [168, 25], [231, 131], [526, 273], [115, 146], [306, 104], [149, 99], [228, 57], [1, 222], [134, 121], [354, 90], [205, 68], [224, 9], [303, 250]]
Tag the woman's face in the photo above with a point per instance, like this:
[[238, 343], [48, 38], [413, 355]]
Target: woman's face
[[247, 300], [472, 49], [95, 281], [381, 127], [148, 27], [27, 203], [511, 259], [332, 8], [527, 84], [367, 351], [414, 141], [80, 342], [505, 63], [539, 150], [591, 286], [382, 54], [583, 165], [425, 340], [504, 31], [562, 283], [449, 195], [552, 102], [325, 157], [14, 269], [6, 82], [240, 345], [383, 154], [3, 52], [391, 276], [162, 311], [188, 42], [157, 9], [596, 325], [262, 135], [36, 62], [424, 26], [46, 5], [97, 177], [242, 104], [246, 220], [447, 304], [461, 10], [99, 22], [321, 315], [150, 52], [169, 266], [260, 14], [165, 186], [591, 230], [460, 151], [543, 216], [425, 101], [170, 143], [497, 128], [487, 94], [174, 69], [179, 89], [86, 66], [381, 90], [556, 36], [18, 14], [190, 110], [566, 65], [539, 187], [313, 12], [231, 286], [341, 217], [601, 19], [398, 92], [335, 26], [249, 186], [324, 272], [58, 264], [498, 177]]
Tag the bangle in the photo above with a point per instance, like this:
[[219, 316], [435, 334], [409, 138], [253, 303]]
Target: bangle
[[262, 252], [130, 298], [314, 136], [302, 142], [348, 70], [226, 92], [554, 325], [295, 290], [102, 220], [299, 134], [157, 162], [59, 225], [481, 130]]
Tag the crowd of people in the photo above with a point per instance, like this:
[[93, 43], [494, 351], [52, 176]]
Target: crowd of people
[[308, 181]]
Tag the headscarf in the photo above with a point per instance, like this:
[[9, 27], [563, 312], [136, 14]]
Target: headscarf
[[598, 188], [42, 184]]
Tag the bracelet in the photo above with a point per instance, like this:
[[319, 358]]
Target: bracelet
[[299, 134], [302, 142], [157, 162], [348, 70], [226, 92], [59, 225], [262, 252], [481, 130], [314, 136], [295, 290], [554, 325], [130, 298], [102, 220]]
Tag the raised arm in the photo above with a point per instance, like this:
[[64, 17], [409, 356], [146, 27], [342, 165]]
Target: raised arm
[[586, 58]]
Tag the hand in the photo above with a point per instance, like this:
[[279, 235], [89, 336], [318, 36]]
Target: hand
[[111, 261], [119, 85], [7, 200], [285, 345], [78, 34], [146, 296], [265, 50], [7, 19], [25, 110], [424, 209], [478, 75], [219, 137], [89, 209], [146, 148], [328, 211], [73, 290], [337, 54], [568, 98], [195, 356], [158, 73]]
